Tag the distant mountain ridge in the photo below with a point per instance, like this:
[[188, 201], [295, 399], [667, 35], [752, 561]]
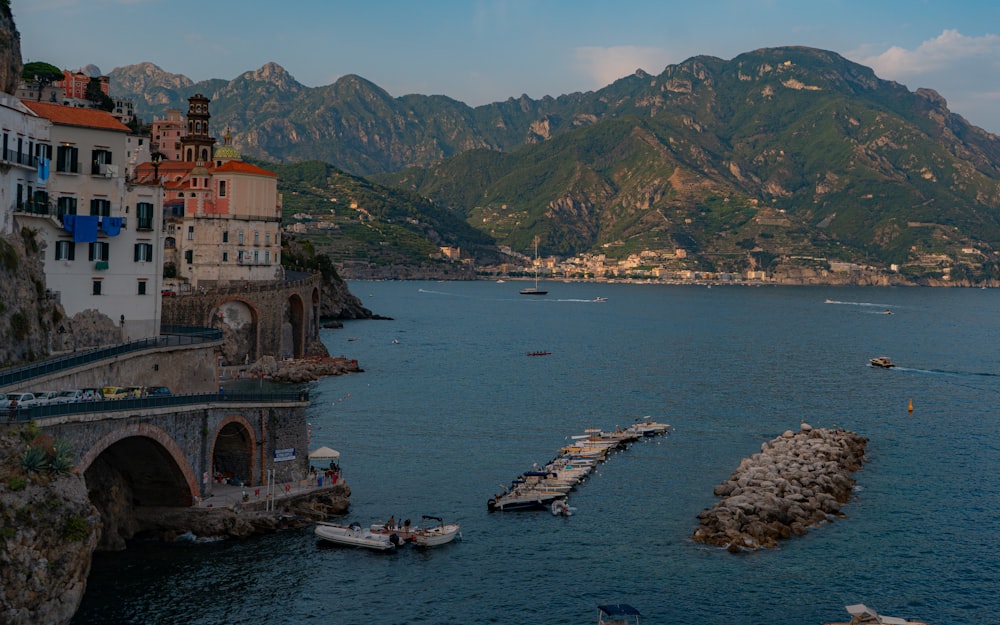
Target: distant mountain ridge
[[779, 152]]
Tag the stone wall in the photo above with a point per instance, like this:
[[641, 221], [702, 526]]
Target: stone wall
[[181, 368]]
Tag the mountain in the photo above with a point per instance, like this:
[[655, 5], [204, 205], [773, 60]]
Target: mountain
[[777, 153]]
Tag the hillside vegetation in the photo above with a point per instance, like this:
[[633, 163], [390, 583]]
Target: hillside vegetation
[[776, 155]]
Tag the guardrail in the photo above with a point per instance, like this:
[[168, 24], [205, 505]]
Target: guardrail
[[175, 335], [116, 405]]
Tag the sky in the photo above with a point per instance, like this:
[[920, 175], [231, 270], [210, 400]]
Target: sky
[[482, 51]]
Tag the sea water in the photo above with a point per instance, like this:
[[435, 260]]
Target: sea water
[[449, 407]]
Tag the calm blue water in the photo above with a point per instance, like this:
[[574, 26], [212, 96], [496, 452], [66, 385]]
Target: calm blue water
[[440, 419]]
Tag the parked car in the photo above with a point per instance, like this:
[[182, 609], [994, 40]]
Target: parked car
[[20, 400], [157, 391], [68, 396], [45, 397], [114, 392]]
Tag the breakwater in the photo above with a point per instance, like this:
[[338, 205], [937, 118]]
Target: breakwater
[[799, 479]]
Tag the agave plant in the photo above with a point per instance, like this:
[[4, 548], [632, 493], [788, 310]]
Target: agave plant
[[61, 461], [34, 460]]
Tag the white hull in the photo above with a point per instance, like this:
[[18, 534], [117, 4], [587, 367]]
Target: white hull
[[438, 535], [354, 536]]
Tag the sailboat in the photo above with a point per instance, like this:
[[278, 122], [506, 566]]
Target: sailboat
[[534, 290]]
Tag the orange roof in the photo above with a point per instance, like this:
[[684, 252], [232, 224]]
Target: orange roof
[[239, 167], [73, 116]]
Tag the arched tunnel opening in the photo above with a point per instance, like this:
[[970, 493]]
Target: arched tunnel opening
[[232, 456], [131, 473]]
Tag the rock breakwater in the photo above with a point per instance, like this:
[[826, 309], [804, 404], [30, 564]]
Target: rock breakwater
[[799, 479]]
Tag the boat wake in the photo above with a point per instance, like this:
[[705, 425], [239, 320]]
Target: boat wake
[[867, 304], [957, 374]]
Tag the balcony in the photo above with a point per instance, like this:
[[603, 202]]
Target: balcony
[[101, 265]]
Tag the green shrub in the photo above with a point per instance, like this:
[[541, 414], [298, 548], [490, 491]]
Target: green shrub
[[19, 325], [8, 256], [30, 431], [76, 529], [16, 483], [61, 461]]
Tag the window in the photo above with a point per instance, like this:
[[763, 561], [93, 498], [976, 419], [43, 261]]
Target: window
[[99, 158], [144, 215], [100, 251], [222, 188], [143, 252], [189, 256], [256, 257], [190, 233], [267, 257], [239, 237], [225, 237], [65, 250], [142, 287], [67, 159], [66, 206], [100, 207], [267, 238], [225, 257], [96, 287], [256, 238]]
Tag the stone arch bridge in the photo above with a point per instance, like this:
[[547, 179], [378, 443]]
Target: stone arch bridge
[[278, 318]]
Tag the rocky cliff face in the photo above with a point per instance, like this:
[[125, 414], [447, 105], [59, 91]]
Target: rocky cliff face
[[48, 532], [33, 324], [10, 51]]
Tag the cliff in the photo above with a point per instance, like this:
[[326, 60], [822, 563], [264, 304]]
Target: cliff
[[48, 531]]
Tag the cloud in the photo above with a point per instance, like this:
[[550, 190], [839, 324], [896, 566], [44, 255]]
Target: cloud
[[947, 50], [606, 65]]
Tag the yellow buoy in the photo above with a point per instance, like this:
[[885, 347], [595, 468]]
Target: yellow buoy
[[911, 405]]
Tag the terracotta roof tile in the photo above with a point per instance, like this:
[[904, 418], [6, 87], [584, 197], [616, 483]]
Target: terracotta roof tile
[[73, 116], [239, 167]]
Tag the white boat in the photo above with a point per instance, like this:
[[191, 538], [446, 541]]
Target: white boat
[[882, 361], [436, 534], [523, 500], [600, 299], [354, 535], [861, 613], [560, 507], [617, 614], [534, 290]]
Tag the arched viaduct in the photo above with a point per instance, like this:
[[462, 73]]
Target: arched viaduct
[[279, 318], [170, 455]]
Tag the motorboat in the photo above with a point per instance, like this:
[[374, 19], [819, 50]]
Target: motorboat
[[862, 614], [526, 499], [560, 507], [539, 354], [882, 362], [439, 533], [354, 535], [600, 299], [648, 427], [617, 614]]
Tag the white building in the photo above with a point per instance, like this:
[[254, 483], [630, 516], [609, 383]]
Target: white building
[[25, 139], [102, 233]]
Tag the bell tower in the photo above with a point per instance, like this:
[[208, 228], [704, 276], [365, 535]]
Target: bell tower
[[197, 145]]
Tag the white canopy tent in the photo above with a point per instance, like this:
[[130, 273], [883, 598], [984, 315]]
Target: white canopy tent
[[324, 453]]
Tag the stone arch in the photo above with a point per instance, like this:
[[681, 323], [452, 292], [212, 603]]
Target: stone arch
[[239, 320], [233, 449], [293, 326], [150, 462]]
